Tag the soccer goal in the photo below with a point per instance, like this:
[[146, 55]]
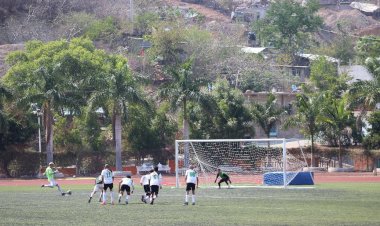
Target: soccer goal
[[248, 161]]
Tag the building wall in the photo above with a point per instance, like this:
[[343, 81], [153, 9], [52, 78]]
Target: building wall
[[283, 100]]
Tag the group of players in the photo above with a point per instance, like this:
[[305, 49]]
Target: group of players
[[104, 182], [151, 182]]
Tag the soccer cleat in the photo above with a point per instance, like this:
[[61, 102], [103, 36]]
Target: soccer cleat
[[186, 203], [89, 200], [151, 202], [119, 199], [42, 186], [193, 204], [100, 200], [69, 192], [126, 202], [63, 193], [143, 198]]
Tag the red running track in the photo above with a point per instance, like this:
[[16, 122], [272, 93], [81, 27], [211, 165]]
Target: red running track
[[170, 180]]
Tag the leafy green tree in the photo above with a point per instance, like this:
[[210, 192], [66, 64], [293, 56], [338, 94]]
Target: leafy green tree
[[55, 75], [150, 132], [368, 47], [323, 75], [230, 119], [4, 94], [371, 142], [144, 23], [288, 24], [167, 44]]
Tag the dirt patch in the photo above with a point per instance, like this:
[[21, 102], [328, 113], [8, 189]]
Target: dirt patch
[[350, 20], [210, 14]]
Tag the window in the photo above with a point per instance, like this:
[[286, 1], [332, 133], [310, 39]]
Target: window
[[273, 131]]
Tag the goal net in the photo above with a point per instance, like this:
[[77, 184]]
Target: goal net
[[247, 161]]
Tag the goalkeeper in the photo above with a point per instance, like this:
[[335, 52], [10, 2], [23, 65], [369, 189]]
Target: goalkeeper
[[223, 178]]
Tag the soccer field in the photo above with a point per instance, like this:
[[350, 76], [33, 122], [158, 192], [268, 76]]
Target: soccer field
[[325, 204]]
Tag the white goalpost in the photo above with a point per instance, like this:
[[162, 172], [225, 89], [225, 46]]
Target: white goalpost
[[248, 161]]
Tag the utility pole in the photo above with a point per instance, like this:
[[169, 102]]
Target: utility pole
[[131, 10]]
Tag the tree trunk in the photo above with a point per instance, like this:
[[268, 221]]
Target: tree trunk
[[374, 166], [340, 155], [312, 161], [49, 133], [118, 146], [186, 136]]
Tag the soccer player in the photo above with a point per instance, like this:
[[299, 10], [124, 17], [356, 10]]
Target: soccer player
[[97, 188], [126, 184], [191, 178], [144, 181], [155, 184], [223, 178], [107, 177], [50, 172]]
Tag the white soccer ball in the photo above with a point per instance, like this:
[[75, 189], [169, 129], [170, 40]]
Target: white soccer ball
[[74, 176]]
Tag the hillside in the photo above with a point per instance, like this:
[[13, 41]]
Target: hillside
[[48, 20]]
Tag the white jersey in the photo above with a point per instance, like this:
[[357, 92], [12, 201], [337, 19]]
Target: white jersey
[[154, 179], [144, 180], [127, 181], [191, 176], [108, 176]]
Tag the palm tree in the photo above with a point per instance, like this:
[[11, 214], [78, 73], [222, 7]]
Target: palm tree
[[268, 114], [366, 94], [308, 109], [116, 90], [338, 119], [182, 89]]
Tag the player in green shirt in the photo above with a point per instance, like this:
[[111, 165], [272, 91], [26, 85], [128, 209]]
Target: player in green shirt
[[49, 173], [223, 178]]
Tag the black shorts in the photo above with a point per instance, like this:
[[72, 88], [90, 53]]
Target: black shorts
[[126, 188], [224, 180], [154, 188], [146, 188], [190, 187], [110, 186]]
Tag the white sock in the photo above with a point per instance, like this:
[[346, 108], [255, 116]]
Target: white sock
[[59, 188], [127, 197], [104, 196], [186, 198], [111, 196], [193, 198]]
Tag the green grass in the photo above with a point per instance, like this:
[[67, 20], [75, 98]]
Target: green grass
[[326, 204]]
